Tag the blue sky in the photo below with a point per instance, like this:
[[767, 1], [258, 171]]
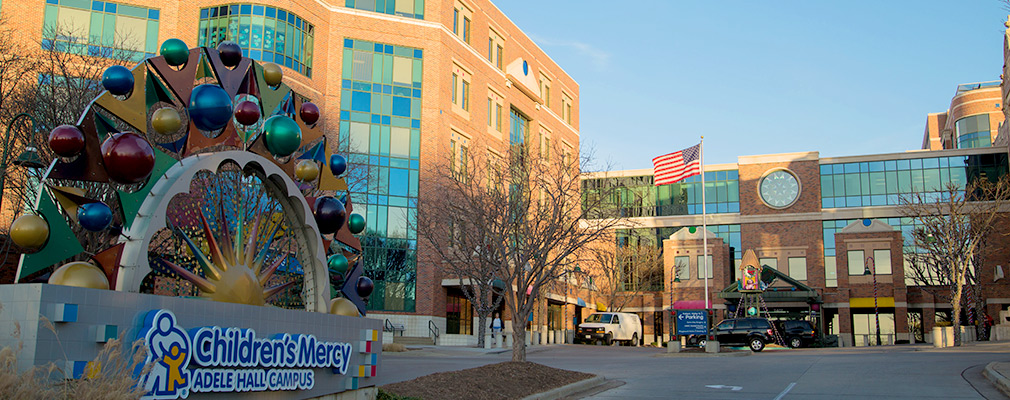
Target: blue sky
[[758, 77]]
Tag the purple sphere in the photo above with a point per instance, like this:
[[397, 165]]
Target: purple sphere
[[330, 214], [364, 286], [247, 113], [231, 53]]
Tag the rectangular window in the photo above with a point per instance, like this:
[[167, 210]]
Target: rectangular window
[[499, 57], [856, 266], [547, 95], [454, 80], [490, 47], [682, 267], [458, 315], [490, 109], [102, 29], [455, 21], [452, 156], [702, 273], [882, 262], [466, 95], [798, 268], [463, 161], [466, 29], [770, 262], [497, 119]]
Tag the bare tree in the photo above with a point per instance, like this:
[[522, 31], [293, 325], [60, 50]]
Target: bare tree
[[622, 273], [949, 238]]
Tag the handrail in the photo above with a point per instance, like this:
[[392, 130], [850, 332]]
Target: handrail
[[387, 326], [432, 329]]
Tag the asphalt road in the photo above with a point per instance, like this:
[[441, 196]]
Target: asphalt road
[[889, 372]]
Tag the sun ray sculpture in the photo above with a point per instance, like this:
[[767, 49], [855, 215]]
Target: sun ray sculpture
[[197, 173]]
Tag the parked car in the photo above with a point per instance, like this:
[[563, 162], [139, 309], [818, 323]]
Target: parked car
[[797, 333], [610, 328], [751, 332]]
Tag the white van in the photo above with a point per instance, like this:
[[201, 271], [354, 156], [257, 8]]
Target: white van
[[609, 328]]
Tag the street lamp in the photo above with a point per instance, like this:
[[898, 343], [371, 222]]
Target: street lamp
[[867, 265], [30, 158]]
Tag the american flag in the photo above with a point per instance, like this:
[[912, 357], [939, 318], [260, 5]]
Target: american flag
[[678, 165]]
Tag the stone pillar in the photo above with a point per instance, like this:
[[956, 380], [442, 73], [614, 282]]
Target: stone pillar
[[845, 325], [509, 338], [673, 346], [901, 330], [488, 341]]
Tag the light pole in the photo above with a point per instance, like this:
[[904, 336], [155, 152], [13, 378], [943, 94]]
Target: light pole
[[30, 158], [871, 269]]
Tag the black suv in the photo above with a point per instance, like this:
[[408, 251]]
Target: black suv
[[750, 332], [797, 333]]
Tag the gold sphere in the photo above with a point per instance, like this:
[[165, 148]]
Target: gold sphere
[[342, 306], [80, 274], [272, 74], [30, 231], [306, 171], [166, 120]]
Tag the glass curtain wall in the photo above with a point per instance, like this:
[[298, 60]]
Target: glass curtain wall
[[380, 129], [264, 33], [403, 8], [100, 28], [636, 196]]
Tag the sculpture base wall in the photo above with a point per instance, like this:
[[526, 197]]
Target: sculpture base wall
[[316, 354]]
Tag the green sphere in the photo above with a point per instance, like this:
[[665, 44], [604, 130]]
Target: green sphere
[[337, 264], [175, 51], [281, 135], [356, 223]]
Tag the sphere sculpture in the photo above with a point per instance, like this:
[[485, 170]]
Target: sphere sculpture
[[210, 107], [356, 223], [338, 164], [231, 53], [128, 158], [247, 113], [342, 306], [281, 135], [175, 51], [166, 120], [118, 80], [330, 214], [66, 141], [80, 274], [309, 113], [364, 286], [272, 74], [30, 231], [306, 171], [94, 217], [338, 265]]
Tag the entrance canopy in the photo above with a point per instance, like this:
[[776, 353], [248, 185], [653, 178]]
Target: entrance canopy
[[689, 305], [788, 289]]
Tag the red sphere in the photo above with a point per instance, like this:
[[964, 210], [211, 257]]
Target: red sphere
[[247, 113], [66, 141], [128, 158], [309, 113]]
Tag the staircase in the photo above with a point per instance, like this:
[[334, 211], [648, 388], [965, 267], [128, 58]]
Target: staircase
[[414, 340]]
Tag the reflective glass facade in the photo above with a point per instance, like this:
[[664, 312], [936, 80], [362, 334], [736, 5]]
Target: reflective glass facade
[[403, 8], [100, 28], [380, 127], [831, 227], [636, 196], [264, 33], [730, 234], [880, 183], [973, 131]]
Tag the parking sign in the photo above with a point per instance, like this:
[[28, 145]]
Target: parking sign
[[692, 322]]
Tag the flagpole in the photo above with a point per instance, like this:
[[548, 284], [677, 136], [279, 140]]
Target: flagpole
[[704, 221]]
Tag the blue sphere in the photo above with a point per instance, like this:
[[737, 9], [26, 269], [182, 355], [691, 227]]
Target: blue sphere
[[94, 216], [338, 164], [210, 107], [118, 80]]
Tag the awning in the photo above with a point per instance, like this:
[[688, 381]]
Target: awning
[[867, 302], [689, 305], [580, 302]]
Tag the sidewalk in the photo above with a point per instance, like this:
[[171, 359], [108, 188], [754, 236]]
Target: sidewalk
[[998, 373]]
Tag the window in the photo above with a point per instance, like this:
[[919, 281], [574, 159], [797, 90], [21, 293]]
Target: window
[[882, 262], [682, 266], [455, 21], [466, 95], [455, 79], [403, 8], [702, 273], [773, 263], [264, 33], [856, 266], [461, 89], [100, 29], [463, 161], [498, 56], [458, 315], [798, 268], [461, 18], [466, 29], [452, 157], [545, 90], [490, 109], [490, 49], [566, 108], [973, 131], [520, 128], [497, 118]]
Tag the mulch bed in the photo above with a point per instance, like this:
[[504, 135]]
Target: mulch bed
[[507, 380]]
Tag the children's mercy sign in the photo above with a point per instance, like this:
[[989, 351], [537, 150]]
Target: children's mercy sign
[[281, 362]]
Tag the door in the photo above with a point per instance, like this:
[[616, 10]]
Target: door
[[724, 331], [740, 331]]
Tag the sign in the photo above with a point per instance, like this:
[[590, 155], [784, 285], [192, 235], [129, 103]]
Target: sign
[[692, 322], [281, 362]]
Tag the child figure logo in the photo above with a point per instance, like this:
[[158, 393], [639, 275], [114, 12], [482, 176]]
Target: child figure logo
[[169, 351]]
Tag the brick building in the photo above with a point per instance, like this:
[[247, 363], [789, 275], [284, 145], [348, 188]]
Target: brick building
[[400, 85]]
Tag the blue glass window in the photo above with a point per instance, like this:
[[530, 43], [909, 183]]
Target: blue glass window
[[289, 39]]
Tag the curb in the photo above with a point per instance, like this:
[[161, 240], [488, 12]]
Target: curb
[[568, 389], [727, 354], [997, 379]]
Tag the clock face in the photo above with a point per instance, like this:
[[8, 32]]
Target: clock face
[[779, 189]]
